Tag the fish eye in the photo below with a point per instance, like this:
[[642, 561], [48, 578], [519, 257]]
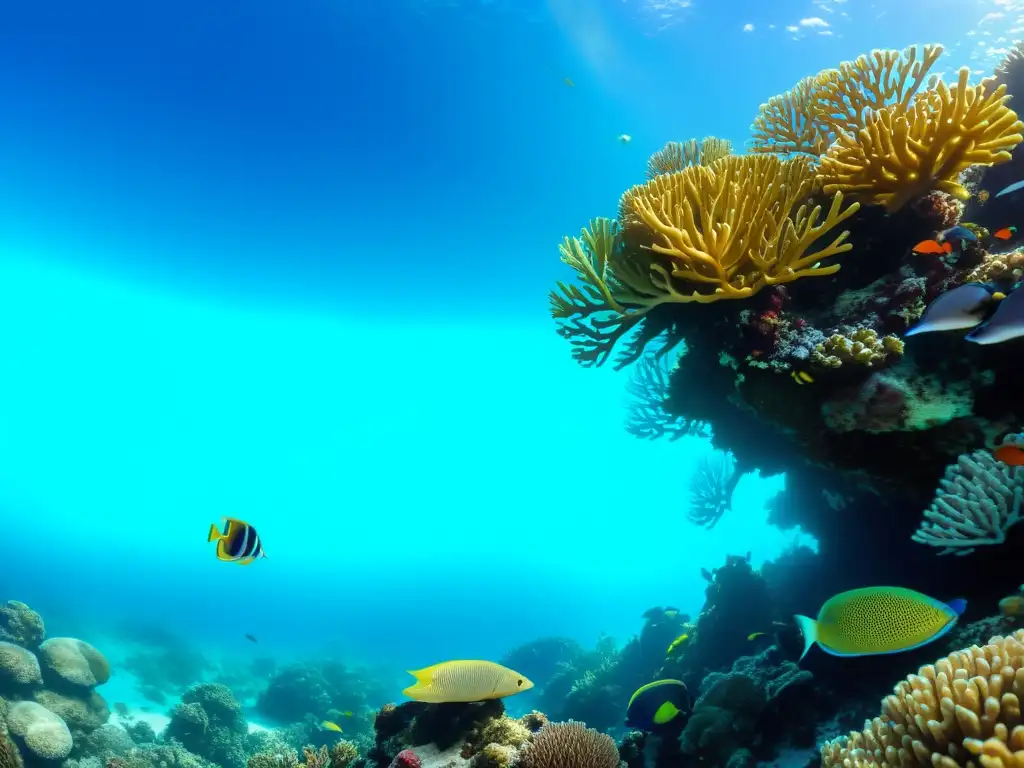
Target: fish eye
[[519, 683]]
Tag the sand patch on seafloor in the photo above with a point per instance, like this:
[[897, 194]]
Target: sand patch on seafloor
[[158, 721]]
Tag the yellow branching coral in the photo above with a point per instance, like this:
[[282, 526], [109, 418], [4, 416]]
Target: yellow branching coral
[[961, 712], [699, 235], [789, 123], [882, 79], [675, 156], [902, 154], [728, 230]]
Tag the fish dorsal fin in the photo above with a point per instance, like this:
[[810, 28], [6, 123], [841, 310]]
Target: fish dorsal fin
[[424, 677]]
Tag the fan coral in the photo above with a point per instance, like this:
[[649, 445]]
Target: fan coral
[[568, 745], [904, 152], [647, 387], [711, 487], [788, 122], [675, 156], [978, 501], [963, 710]]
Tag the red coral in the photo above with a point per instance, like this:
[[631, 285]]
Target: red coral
[[406, 759]]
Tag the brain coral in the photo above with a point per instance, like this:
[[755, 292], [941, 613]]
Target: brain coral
[[964, 710], [21, 625], [18, 667], [74, 662], [44, 734], [570, 745]]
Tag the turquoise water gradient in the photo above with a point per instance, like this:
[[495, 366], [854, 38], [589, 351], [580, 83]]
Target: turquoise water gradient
[[289, 262]]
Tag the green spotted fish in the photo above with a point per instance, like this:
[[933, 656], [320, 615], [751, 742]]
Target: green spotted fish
[[462, 681], [657, 704], [877, 620]]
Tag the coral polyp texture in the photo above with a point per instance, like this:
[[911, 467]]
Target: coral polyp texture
[[675, 156], [978, 502], [964, 710], [571, 744]]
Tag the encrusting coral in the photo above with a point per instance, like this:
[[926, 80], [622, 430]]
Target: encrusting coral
[[978, 501], [964, 710], [862, 346]]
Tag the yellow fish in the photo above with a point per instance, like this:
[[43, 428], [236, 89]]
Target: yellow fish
[[802, 377], [754, 635], [875, 620], [346, 713], [679, 641], [239, 543], [327, 725], [569, 82], [460, 681]]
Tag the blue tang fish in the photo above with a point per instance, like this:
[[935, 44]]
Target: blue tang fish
[[1006, 323], [963, 307]]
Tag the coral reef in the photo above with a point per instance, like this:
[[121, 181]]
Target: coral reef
[[561, 745], [711, 486], [963, 710], [208, 722], [977, 503], [20, 625]]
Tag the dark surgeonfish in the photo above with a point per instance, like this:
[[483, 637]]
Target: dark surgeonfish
[[965, 306], [1006, 323], [239, 543]]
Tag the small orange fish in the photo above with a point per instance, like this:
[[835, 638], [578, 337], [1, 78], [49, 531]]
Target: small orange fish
[[1010, 454], [932, 247], [1005, 233]]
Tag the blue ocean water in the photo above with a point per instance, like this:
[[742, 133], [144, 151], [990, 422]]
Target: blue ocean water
[[289, 262]]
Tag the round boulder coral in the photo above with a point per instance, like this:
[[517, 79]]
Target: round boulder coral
[[20, 625], [73, 662], [18, 667], [43, 733], [82, 713], [558, 745]]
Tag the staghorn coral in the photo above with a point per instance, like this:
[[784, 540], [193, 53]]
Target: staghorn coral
[[904, 152], [861, 347], [570, 745], [728, 230], [675, 156], [978, 501], [964, 710], [700, 235], [788, 123]]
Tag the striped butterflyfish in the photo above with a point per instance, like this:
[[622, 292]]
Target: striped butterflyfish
[[238, 543]]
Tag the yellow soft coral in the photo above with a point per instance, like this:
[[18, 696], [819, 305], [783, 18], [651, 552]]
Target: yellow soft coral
[[961, 712], [727, 230], [675, 156], [699, 235], [902, 154], [789, 122]]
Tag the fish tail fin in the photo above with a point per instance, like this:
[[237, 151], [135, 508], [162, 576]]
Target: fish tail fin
[[958, 606], [423, 678], [214, 534], [809, 629]]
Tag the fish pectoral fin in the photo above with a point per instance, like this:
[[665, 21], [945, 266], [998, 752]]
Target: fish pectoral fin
[[809, 629], [666, 712], [215, 534]]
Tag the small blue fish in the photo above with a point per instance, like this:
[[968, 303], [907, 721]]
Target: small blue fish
[[1007, 190], [959, 233], [1006, 323], [963, 307]]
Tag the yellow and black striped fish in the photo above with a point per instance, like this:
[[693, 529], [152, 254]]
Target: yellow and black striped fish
[[239, 543]]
